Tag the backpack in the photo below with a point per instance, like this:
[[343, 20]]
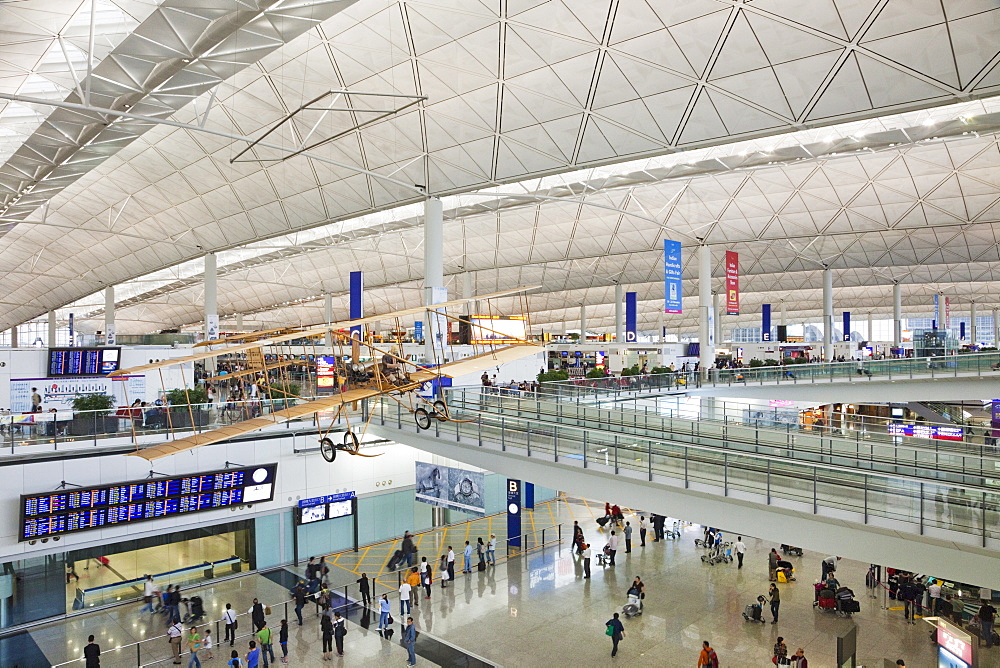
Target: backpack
[[713, 659]]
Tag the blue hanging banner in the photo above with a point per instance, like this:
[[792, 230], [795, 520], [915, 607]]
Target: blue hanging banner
[[631, 317], [357, 302], [514, 513], [847, 326], [529, 495], [765, 322], [418, 331], [961, 330], [672, 268]]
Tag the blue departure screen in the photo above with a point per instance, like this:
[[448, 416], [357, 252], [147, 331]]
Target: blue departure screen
[[67, 511]]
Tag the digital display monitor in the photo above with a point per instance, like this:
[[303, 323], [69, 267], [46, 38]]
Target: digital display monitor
[[319, 508], [926, 431], [497, 329], [80, 509], [339, 509], [83, 361], [312, 514]]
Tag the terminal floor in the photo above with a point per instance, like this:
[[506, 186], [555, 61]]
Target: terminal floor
[[536, 610]]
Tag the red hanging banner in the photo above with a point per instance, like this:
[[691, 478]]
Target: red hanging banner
[[732, 283]]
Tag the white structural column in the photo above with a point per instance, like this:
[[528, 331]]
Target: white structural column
[[109, 316], [433, 272], [328, 318], [239, 322], [897, 315], [996, 330], [468, 293], [211, 297], [583, 323], [706, 319], [619, 313], [661, 325], [782, 314], [14, 342], [827, 314], [717, 334], [869, 339], [52, 329], [972, 324]]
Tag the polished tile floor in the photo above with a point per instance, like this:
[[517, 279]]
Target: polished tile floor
[[536, 610]]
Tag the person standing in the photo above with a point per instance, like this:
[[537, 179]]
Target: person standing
[[92, 653], [772, 565], [174, 633], [451, 564], [780, 656], [364, 585], [283, 640], [404, 598], [741, 548], [427, 577], [934, 593], [253, 655], [907, 593], [613, 546], [234, 660], [257, 615], [339, 631], [410, 642], [266, 639], [642, 531], [775, 597], [987, 615], [829, 565], [799, 659], [586, 561], [491, 550], [468, 558], [577, 537], [299, 594], [481, 553], [229, 619], [628, 537], [384, 608], [708, 658], [206, 643], [617, 632], [326, 628], [414, 580], [194, 646]]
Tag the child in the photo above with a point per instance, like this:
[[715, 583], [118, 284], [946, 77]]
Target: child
[[235, 661], [206, 643]]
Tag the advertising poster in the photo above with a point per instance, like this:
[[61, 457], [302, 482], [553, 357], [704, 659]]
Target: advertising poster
[[58, 393], [449, 487], [672, 268], [732, 283]]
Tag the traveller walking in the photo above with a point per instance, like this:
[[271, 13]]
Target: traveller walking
[[326, 628], [491, 550], [266, 639], [775, 597], [586, 561], [642, 531], [148, 594], [92, 653], [616, 630], [299, 594], [708, 658], [257, 615], [628, 537], [987, 615], [613, 547], [780, 654], [404, 598], [577, 537], [339, 631], [174, 633], [410, 642], [283, 640], [741, 548], [772, 565], [229, 619], [383, 612], [408, 548], [451, 564], [364, 585], [193, 645], [206, 643], [907, 592], [468, 558]]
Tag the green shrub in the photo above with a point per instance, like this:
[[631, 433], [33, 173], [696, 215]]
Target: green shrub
[[284, 390], [180, 398], [597, 373], [550, 376], [659, 369], [770, 362], [631, 371], [98, 404], [754, 364]]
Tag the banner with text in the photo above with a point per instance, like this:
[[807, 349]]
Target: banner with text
[[732, 283], [672, 268]]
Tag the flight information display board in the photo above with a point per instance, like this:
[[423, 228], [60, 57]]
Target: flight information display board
[[83, 361], [927, 431], [80, 509]]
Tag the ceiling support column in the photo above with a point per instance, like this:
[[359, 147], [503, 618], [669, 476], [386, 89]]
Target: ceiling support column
[[328, 317], [717, 334], [52, 329], [14, 342], [897, 315], [583, 323], [109, 316], [706, 315], [827, 314], [869, 327], [996, 330], [619, 314], [434, 289], [972, 324], [211, 298]]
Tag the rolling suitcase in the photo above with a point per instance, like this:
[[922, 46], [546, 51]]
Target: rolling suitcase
[[394, 561], [850, 606]]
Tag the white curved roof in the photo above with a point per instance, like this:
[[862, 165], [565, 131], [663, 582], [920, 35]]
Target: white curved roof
[[550, 97]]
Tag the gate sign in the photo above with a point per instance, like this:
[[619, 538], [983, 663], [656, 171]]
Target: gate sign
[[631, 317], [732, 283], [672, 268]]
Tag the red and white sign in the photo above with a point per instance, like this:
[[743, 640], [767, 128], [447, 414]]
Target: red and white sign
[[960, 647], [732, 283]]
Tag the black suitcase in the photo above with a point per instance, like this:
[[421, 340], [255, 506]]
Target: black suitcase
[[482, 566], [850, 606], [603, 520], [394, 561]]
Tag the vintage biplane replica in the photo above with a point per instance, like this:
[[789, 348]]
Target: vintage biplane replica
[[364, 371]]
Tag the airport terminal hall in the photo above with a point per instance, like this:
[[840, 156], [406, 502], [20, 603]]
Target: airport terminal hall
[[499, 333]]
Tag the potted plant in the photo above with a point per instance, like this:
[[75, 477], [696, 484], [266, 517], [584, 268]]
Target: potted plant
[[283, 395], [91, 415], [185, 403]]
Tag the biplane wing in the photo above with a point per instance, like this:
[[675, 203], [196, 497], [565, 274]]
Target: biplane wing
[[461, 367], [319, 330]]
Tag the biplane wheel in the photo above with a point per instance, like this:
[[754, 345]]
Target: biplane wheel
[[328, 449], [441, 410], [350, 442], [422, 418]]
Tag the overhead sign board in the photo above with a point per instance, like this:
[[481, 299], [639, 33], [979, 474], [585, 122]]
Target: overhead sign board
[[672, 268]]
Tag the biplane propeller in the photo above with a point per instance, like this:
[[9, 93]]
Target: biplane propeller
[[393, 377]]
